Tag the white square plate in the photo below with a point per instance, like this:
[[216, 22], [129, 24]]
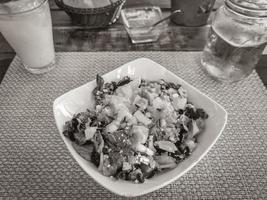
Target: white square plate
[[79, 99]]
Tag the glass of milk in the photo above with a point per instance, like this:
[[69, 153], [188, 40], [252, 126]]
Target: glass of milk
[[27, 26]]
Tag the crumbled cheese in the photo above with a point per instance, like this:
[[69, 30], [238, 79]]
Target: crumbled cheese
[[90, 132], [142, 118], [158, 103], [179, 103], [126, 166], [144, 160], [182, 92]]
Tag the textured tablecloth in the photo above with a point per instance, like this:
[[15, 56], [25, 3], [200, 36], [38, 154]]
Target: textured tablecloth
[[35, 164]]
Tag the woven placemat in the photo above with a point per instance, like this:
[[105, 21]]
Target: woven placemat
[[35, 164]]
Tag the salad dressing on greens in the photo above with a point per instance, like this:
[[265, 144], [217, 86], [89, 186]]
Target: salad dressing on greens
[[137, 129]]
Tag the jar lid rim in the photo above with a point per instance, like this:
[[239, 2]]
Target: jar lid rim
[[252, 11], [250, 4]]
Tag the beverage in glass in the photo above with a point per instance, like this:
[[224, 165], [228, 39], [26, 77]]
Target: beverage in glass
[[27, 26], [236, 40]]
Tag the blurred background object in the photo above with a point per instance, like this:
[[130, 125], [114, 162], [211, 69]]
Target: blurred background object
[[71, 37], [139, 21], [194, 12], [92, 13]]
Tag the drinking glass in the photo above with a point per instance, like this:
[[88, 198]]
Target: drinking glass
[[27, 26], [236, 40]]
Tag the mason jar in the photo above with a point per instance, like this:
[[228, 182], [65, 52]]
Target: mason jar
[[236, 40]]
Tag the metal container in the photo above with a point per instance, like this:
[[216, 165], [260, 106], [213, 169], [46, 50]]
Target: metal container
[[194, 12]]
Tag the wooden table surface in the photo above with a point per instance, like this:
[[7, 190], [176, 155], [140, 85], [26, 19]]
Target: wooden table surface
[[69, 37]]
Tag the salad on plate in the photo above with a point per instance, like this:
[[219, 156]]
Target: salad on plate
[[138, 128]]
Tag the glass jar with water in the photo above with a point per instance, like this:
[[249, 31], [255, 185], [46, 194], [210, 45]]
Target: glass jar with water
[[236, 40]]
